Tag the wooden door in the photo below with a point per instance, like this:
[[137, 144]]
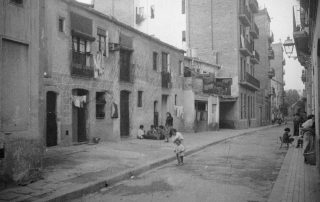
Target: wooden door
[[124, 114], [51, 122]]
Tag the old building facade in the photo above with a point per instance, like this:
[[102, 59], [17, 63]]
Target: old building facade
[[237, 54], [20, 90], [263, 70], [277, 82], [121, 77]]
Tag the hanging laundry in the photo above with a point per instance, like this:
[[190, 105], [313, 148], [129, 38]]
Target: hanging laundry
[[178, 111], [98, 64], [79, 101], [114, 110]]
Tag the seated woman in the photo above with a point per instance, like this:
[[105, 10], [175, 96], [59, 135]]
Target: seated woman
[[308, 143], [151, 134], [161, 132]]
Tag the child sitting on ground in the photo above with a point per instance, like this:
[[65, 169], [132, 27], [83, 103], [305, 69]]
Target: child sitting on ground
[[140, 132], [286, 138], [179, 150]]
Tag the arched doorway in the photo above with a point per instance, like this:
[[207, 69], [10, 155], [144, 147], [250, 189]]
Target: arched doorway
[[51, 119], [124, 114], [80, 100]]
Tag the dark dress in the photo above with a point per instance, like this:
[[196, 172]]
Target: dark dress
[[296, 125]]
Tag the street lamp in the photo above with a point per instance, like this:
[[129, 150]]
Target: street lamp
[[288, 47]]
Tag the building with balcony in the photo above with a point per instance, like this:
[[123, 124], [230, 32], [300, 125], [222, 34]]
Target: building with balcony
[[301, 36], [277, 82], [263, 70], [104, 78], [21, 102], [207, 30]]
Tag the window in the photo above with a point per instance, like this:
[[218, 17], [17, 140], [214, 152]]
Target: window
[[102, 41], [61, 24], [183, 9], [125, 65], [81, 51], [175, 99], [140, 98], [184, 36], [100, 105], [152, 12], [18, 2], [165, 62], [181, 68], [155, 61]]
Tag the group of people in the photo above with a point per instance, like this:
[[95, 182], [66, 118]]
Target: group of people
[[165, 132], [304, 131]]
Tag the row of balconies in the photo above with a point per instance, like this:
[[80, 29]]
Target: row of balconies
[[83, 66]]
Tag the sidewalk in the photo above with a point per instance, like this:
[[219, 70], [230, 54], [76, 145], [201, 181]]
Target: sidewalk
[[70, 172], [297, 181]]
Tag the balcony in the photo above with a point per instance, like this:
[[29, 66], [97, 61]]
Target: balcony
[[245, 47], [82, 65], [255, 57], [254, 5], [303, 76], [271, 73], [301, 30], [127, 73], [270, 54], [245, 15], [250, 82], [254, 31], [271, 38], [166, 80]]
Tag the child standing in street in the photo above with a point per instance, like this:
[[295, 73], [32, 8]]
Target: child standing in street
[[179, 150]]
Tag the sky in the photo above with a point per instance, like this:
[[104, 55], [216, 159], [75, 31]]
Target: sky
[[280, 12]]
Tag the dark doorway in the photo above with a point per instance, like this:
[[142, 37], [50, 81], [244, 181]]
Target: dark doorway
[[124, 114], [79, 116], [51, 130], [155, 114]]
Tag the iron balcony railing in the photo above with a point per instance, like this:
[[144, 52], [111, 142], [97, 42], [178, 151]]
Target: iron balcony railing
[[270, 54], [251, 80], [255, 57], [245, 46], [254, 30], [166, 80], [245, 15], [82, 65]]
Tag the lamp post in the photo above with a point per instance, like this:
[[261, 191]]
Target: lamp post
[[288, 47]]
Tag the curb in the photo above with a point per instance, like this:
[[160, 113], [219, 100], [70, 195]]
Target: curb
[[92, 187]]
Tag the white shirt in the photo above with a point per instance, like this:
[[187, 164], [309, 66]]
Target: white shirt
[[177, 136]]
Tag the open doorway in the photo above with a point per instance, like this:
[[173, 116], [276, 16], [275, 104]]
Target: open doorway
[[155, 114], [164, 108], [79, 115], [124, 114], [51, 119]]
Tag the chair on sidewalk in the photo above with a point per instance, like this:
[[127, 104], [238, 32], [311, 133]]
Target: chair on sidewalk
[[282, 142]]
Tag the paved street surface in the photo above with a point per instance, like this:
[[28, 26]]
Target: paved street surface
[[241, 169]]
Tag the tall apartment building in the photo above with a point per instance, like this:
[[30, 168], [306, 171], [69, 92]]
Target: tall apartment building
[[162, 19], [263, 71], [277, 82], [228, 28]]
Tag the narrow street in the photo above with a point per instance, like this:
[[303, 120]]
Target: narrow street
[[241, 169]]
